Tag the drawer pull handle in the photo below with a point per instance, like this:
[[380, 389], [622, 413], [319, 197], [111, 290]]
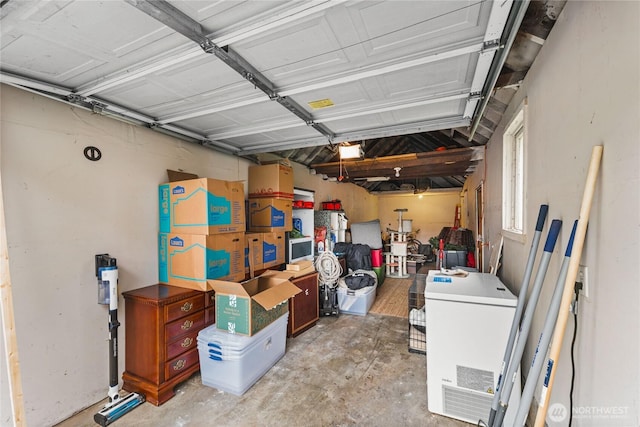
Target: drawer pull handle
[[187, 342], [187, 306], [306, 291], [187, 325], [180, 364]]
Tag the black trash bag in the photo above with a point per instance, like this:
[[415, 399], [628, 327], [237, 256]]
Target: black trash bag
[[341, 248], [357, 281]]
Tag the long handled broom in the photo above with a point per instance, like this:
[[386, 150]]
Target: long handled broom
[[545, 337], [567, 295], [527, 319], [515, 324]]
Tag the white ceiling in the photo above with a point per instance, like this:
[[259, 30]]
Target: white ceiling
[[388, 67]]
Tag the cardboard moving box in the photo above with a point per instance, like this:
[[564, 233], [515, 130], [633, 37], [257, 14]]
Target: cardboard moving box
[[274, 180], [246, 308], [189, 260], [270, 215], [273, 248], [202, 206], [253, 253]]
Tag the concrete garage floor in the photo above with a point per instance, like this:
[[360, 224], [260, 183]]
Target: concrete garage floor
[[349, 370]]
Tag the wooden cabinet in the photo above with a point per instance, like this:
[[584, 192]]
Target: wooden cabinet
[[303, 308], [161, 331]]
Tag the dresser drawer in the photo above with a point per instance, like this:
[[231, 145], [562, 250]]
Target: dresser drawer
[[182, 344], [184, 325], [182, 308], [181, 364]]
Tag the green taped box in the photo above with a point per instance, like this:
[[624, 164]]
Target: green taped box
[[380, 272], [248, 307]]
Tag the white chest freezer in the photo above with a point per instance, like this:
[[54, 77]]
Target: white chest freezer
[[468, 323]]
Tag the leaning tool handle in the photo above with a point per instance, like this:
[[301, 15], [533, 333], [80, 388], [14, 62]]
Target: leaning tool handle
[[515, 324], [545, 338], [567, 295], [527, 319]]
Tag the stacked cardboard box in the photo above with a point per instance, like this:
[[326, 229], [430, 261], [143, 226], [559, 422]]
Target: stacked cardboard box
[[270, 209], [202, 232]]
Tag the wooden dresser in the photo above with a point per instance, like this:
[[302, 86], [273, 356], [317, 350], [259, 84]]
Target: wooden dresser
[[162, 325], [303, 308]]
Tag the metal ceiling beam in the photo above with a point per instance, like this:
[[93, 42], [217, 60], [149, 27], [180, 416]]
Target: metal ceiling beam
[[371, 71], [188, 27], [514, 20], [491, 43], [107, 108]]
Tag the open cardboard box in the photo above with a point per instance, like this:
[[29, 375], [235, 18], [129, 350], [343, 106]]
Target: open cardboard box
[[247, 307]]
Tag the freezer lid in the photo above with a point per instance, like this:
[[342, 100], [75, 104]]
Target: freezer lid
[[478, 288]]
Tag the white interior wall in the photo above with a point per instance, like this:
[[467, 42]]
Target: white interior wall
[[583, 90], [61, 210]]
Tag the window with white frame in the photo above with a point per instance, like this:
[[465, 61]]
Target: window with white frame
[[514, 147]]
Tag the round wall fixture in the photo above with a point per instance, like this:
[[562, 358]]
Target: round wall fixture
[[92, 153]]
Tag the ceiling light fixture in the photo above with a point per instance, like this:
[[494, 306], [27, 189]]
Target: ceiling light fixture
[[351, 151]]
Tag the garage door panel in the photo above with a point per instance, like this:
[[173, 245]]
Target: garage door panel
[[225, 121], [392, 118], [294, 135], [417, 25], [332, 44]]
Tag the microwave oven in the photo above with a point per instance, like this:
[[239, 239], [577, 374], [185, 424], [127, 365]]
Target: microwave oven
[[298, 249]]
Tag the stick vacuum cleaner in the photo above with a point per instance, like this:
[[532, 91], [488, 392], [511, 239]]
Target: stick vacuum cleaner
[[107, 273]]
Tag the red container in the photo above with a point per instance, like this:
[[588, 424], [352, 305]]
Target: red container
[[333, 205], [376, 257], [308, 205]]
